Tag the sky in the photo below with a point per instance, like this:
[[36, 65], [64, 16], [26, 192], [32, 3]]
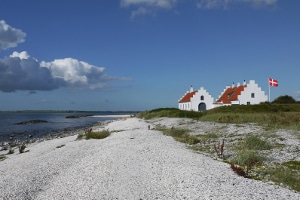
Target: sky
[[136, 55]]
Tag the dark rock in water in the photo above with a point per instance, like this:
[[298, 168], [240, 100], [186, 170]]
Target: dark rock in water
[[77, 116], [36, 121]]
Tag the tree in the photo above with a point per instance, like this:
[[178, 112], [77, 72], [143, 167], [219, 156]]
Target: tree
[[284, 100]]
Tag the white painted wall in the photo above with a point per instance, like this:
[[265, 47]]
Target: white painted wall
[[243, 98], [196, 100], [184, 106], [207, 99], [252, 88]]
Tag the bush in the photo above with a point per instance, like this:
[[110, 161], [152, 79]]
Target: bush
[[284, 100], [97, 135], [181, 135], [281, 174], [93, 135], [255, 143]]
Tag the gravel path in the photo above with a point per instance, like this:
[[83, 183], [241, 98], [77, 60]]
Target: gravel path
[[132, 163]]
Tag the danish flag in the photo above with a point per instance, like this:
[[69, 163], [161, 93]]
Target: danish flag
[[273, 82]]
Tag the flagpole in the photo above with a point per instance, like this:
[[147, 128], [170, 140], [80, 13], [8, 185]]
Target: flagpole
[[269, 93]]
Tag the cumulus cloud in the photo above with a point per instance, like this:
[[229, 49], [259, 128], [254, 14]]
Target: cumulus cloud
[[20, 71], [148, 6], [225, 4], [9, 36]]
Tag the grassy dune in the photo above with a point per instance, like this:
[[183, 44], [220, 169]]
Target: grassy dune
[[250, 158]]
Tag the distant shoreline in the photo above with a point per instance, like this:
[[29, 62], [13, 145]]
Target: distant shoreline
[[110, 116]]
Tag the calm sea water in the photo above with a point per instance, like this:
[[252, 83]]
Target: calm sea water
[[56, 122]]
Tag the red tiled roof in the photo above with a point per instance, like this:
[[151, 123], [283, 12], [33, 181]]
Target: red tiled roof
[[187, 97], [231, 94]]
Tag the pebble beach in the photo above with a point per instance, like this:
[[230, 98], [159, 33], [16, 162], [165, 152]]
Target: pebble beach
[[133, 163]]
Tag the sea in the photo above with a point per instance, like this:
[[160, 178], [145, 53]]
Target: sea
[[13, 124]]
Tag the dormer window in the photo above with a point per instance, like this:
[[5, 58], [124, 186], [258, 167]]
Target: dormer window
[[230, 94]]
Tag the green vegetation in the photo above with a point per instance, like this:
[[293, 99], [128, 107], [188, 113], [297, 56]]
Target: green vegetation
[[254, 143], [270, 116], [247, 155], [94, 135], [284, 175], [169, 112], [2, 157], [284, 100], [180, 135]]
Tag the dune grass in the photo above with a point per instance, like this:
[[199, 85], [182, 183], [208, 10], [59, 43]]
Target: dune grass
[[248, 155], [2, 157], [181, 135], [270, 116], [94, 135]]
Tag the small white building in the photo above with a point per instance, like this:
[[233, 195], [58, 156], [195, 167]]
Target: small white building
[[201, 100], [245, 94], [196, 100]]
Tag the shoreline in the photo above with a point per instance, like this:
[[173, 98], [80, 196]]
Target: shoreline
[[132, 163], [46, 137]]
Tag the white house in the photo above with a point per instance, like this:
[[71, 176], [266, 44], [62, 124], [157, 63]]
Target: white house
[[245, 94], [196, 100]]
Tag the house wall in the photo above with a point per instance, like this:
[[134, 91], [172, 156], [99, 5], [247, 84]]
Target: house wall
[[252, 94], [185, 106], [196, 100], [207, 99]]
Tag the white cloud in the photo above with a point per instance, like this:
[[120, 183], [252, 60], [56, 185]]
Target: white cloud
[[225, 4], [166, 4], [148, 6], [9, 36], [20, 71], [139, 11]]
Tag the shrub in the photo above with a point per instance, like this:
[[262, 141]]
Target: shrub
[[181, 135], [281, 174], [97, 135], [2, 157], [245, 157], [284, 100], [22, 148], [255, 143]]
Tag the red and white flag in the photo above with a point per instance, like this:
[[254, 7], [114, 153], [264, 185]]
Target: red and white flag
[[273, 82]]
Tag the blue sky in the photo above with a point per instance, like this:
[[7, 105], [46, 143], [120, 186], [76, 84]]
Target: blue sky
[[142, 54]]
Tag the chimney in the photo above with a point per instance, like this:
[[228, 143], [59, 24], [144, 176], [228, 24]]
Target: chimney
[[191, 89], [244, 83], [232, 84], [238, 84]]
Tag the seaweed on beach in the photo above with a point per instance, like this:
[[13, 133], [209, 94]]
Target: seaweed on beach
[[35, 121]]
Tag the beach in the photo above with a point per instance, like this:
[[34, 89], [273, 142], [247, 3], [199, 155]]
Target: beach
[[134, 162]]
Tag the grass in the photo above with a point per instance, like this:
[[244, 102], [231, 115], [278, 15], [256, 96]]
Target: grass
[[2, 157], [284, 176], [254, 143], [169, 112], [181, 135], [247, 155], [94, 135], [270, 116]]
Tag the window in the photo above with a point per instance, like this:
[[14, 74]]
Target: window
[[248, 103], [230, 94], [252, 95], [202, 97]]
